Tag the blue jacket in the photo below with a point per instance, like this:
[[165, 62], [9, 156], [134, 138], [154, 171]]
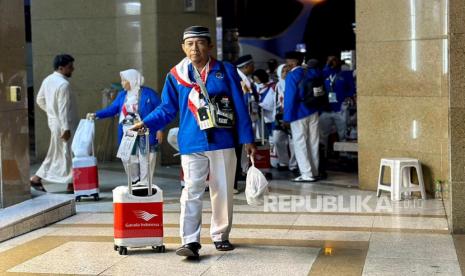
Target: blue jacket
[[148, 101], [191, 138], [343, 86], [294, 107]]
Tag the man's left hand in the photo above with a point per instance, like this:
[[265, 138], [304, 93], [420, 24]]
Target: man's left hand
[[66, 135], [160, 136], [250, 149]]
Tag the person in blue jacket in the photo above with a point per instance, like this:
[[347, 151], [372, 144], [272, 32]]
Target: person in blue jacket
[[340, 86], [192, 88], [132, 104], [303, 120]]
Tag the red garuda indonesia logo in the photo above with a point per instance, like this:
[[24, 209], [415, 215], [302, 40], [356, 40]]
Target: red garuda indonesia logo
[[144, 215]]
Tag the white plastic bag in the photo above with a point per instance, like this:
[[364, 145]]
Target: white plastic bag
[[83, 138], [256, 186]]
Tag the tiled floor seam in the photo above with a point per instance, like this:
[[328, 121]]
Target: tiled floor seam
[[290, 227], [108, 268], [206, 270], [309, 213], [423, 259]]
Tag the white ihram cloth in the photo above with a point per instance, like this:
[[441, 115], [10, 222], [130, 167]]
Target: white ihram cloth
[[57, 100], [196, 168]]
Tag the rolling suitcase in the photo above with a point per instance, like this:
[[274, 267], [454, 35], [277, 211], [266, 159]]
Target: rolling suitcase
[[85, 177], [138, 214], [262, 155]]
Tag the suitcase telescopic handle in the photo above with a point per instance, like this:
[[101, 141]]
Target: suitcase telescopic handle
[[263, 125], [147, 153]]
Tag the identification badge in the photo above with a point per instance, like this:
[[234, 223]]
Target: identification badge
[[127, 145], [332, 97], [204, 117], [222, 111], [318, 91]]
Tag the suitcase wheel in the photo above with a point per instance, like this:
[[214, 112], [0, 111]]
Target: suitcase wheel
[[96, 197], [122, 250], [78, 198], [159, 249]]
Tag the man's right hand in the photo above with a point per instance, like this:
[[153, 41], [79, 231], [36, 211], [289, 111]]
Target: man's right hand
[[137, 126], [90, 116], [66, 135]]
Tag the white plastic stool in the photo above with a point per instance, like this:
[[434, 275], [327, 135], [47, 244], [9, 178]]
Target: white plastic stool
[[400, 177]]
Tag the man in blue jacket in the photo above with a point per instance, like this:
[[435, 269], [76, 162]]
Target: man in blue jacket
[[192, 88], [340, 86], [303, 120]]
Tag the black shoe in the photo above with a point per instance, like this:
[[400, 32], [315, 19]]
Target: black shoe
[[189, 250], [282, 168], [295, 172]]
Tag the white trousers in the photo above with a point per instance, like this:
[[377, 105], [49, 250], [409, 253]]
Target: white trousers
[[139, 166], [284, 149], [330, 119], [57, 165], [221, 165], [305, 135]]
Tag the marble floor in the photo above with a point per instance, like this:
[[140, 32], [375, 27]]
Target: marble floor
[[324, 228]]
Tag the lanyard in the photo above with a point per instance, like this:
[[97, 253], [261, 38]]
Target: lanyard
[[332, 80], [200, 83]]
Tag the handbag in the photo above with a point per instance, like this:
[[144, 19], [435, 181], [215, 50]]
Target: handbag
[[220, 106]]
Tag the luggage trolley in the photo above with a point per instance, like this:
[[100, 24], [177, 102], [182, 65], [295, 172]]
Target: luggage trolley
[[138, 213], [85, 176]]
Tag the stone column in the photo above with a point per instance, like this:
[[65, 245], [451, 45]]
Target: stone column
[[455, 191], [403, 89]]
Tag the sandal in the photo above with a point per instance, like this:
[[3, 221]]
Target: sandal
[[224, 246], [37, 186]]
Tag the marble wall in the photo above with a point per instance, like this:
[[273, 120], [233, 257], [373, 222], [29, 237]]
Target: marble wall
[[106, 37], [403, 85], [14, 132], [455, 203]]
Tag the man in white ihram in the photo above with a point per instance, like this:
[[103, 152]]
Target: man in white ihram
[[57, 100]]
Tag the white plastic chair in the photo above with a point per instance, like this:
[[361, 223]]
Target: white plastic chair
[[400, 177]]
